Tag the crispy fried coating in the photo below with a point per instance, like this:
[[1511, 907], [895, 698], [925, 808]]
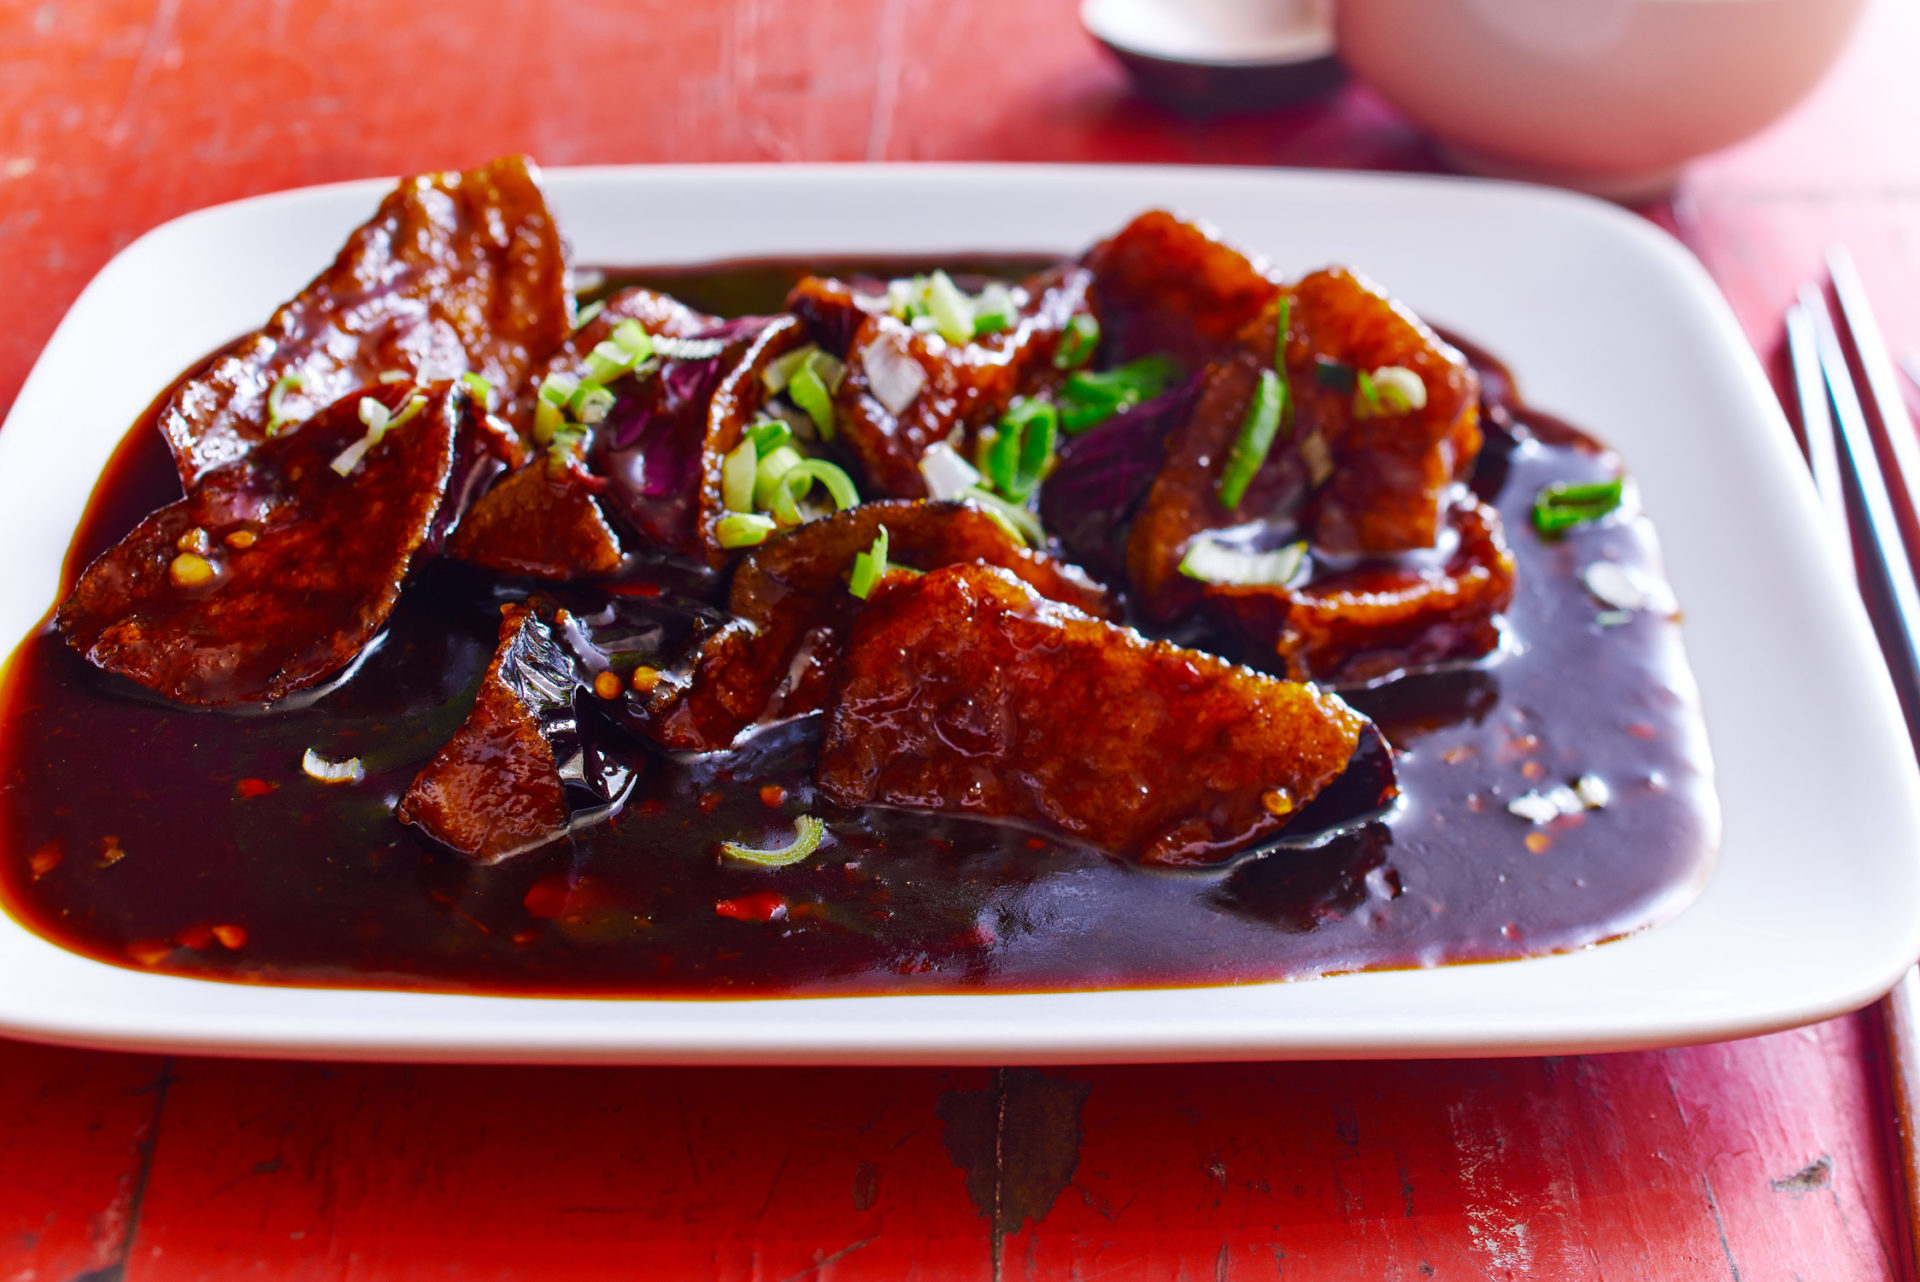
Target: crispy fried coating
[[1163, 284], [1378, 619], [274, 571], [791, 606], [1390, 472], [495, 789], [455, 272], [966, 692], [541, 521], [967, 385], [658, 313]]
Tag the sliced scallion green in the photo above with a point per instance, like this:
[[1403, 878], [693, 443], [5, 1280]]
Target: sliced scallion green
[[1088, 399], [1022, 447], [608, 361], [737, 471], [743, 529], [773, 465], [951, 309], [1334, 374], [781, 369], [547, 419], [799, 479], [480, 388], [277, 415], [869, 566], [1565, 504], [632, 338], [1283, 322], [1214, 562], [810, 393], [1077, 342], [591, 402], [769, 434], [808, 833], [1258, 430], [1017, 521], [588, 312], [993, 310]]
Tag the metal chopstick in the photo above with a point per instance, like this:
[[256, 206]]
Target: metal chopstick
[[1876, 367], [1816, 426], [1894, 596], [1821, 377]]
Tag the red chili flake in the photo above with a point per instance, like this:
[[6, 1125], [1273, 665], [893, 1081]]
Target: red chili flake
[[648, 809], [195, 937], [525, 937], [111, 852], [1641, 730], [250, 788], [710, 802], [1538, 842], [773, 796], [765, 905], [232, 937], [1532, 769], [1036, 843], [150, 952], [44, 860], [548, 896]]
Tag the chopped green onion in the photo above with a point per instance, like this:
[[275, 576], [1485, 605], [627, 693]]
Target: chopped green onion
[[1389, 390], [808, 832], [737, 471], [769, 434], [1257, 433], [743, 529], [608, 361], [952, 310], [1565, 504], [591, 403], [557, 389], [413, 406], [993, 310], [1077, 342], [797, 481], [379, 422], [396, 376], [1089, 399], [1022, 447], [632, 337], [547, 419], [1333, 374], [1213, 562], [481, 389], [781, 369], [277, 416], [375, 415], [869, 567], [1283, 322], [1017, 521], [773, 465], [587, 313], [810, 393], [565, 446]]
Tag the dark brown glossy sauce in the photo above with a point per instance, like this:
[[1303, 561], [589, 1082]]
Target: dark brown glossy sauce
[[128, 830]]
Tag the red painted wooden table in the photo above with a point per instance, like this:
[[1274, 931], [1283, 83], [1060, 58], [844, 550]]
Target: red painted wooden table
[[1760, 1159]]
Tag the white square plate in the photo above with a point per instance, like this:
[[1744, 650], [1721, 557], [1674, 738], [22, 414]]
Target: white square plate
[[1813, 910]]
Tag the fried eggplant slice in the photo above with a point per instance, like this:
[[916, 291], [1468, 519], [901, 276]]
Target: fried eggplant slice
[[1163, 284], [276, 569], [541, 521], [1383, 617], [905, 389], [519, 772], [1387, 471], [965, 692], [455, 273], [663, 444], [658, 313], [791, 606], [1184, 499]]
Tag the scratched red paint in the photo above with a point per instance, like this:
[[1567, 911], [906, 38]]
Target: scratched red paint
[[1762, 1157]]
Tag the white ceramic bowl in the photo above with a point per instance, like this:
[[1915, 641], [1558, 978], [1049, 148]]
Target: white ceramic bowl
[[1607, 96]]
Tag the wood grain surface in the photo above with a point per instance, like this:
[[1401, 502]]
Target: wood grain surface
[[1762, 1159]]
